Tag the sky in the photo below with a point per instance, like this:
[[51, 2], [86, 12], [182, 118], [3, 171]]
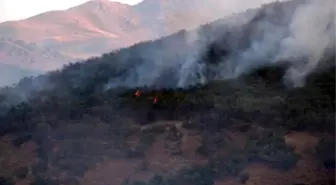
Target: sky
[[21, 9]]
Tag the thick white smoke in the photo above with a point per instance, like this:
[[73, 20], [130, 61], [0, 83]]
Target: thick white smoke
[[312, 35], [304, 36], [299, 31]]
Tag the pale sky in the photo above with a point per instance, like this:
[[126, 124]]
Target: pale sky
[[20, 9]]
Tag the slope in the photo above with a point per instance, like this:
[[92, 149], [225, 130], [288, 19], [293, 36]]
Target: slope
[[30, 56], [10, 74], [84, 126]]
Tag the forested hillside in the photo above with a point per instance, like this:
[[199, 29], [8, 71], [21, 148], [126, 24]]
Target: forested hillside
[[222, 104]]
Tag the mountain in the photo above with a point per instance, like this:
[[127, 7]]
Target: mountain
[[100, 26], [225, 48], [30, 56], [11, 74], [226, 103], [86, 30], [19, 59], [52, 39]]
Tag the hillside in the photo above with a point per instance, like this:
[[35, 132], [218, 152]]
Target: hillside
[[30, 56], [10, 74], [19, 59], [226, 103]]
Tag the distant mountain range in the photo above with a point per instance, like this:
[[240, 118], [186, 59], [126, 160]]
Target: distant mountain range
[[100, 26], [11, 74], [29, 55], [49, 40], [19, 59]]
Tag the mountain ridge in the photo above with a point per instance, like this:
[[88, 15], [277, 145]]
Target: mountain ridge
[[98, 27], [110, 25], [28, 55], [12, 74], [19, 59]]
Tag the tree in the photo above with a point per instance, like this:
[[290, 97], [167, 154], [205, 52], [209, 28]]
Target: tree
[[231, 164], [139, 183], [22, 172], [325, 152], [6, 181], [156, 180], [271, 148], [197, 175], [44, 181], [244, 177]]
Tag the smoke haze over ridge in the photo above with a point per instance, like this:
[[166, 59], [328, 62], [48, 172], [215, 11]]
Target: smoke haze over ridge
[[297, 31]]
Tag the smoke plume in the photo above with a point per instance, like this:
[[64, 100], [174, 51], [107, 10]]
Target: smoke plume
[[312, 36], [300, 31]]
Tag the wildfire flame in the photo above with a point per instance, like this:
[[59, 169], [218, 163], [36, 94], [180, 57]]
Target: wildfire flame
[[137, 93], [154, 100]]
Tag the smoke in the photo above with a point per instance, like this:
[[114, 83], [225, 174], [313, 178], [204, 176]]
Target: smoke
[[193, 12], [312, 35], [300, 32]]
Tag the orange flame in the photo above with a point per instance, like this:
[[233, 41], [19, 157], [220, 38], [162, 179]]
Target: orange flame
[[154, 100], [137, 93]]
